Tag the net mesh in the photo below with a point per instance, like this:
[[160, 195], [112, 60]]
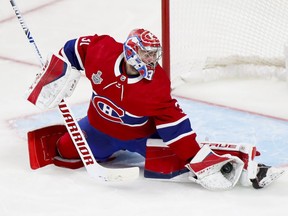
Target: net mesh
[[215, 39]]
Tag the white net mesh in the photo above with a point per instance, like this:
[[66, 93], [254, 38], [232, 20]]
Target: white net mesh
[[224, 38]]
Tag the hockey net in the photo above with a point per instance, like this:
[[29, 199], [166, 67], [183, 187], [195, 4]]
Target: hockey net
[[225, 38]]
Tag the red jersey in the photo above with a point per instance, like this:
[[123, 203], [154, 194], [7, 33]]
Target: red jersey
[[126, 107]]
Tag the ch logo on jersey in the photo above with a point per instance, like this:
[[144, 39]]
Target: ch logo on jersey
[[110, 111], [107, 109]]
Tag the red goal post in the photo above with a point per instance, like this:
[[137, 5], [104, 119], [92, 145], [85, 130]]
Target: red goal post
[[206, 39], [166, 35]]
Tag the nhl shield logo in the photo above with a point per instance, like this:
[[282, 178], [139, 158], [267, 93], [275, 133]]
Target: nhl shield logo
[[96, 78]]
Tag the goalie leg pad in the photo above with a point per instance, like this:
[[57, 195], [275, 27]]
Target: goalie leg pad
[[42, 145], [66, 147], [162, 163], [68, 163]]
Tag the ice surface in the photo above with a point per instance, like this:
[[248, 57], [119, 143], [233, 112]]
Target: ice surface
[[55, 191]]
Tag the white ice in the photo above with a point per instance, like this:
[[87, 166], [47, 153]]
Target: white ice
[[55, 191]]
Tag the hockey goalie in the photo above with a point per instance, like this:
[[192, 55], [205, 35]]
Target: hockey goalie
[[131, 109]]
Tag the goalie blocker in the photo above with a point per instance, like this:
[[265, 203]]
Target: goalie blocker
[[57, 81], [218, 169]]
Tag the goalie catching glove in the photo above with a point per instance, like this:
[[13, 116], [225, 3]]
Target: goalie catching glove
[[213, 171], [56, 82]]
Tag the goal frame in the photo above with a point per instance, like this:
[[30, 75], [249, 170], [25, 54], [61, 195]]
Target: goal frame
[[165, 15]]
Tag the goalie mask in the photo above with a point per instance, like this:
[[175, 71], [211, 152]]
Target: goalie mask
[[142, 50]]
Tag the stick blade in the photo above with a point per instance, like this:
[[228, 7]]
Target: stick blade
[[103, 174]]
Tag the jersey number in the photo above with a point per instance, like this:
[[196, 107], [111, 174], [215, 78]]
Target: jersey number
[[84, 41]]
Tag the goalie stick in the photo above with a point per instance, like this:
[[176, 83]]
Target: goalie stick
[[93, 168]]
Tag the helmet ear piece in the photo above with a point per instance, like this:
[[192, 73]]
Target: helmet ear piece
[[146, 41]]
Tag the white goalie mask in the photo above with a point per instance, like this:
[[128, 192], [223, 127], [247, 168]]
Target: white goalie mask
[[142, 50]]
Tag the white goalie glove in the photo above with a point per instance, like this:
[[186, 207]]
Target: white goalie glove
[[246, 152], [213, 171], [56, 82], [256, 174]]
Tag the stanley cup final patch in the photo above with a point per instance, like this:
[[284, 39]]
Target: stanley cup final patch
[[96, 78]]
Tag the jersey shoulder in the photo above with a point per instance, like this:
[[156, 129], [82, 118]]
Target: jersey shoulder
[[104, 41], [104, 46]]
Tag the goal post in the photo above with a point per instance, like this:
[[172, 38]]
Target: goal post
[[208, 39], [165, 35]]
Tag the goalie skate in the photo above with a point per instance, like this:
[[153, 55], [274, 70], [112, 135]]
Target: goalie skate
[[266, 175]]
